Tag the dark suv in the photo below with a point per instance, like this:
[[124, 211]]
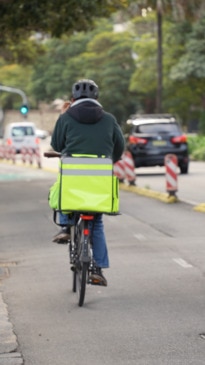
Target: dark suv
[[151, 137]]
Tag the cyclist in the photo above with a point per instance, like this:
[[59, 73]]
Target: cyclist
[[85, 128]]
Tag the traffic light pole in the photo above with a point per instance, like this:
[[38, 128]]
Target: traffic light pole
[[17, 91], [14, 90]]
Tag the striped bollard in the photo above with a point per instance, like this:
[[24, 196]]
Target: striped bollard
[[30, 153], [23, 154], [13, 154], [129, 167], [119, 170], [171, 164], [1, 152], [38, 157]]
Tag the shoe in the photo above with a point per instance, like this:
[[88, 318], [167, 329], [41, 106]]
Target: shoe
[[97, 277], [63, 236]]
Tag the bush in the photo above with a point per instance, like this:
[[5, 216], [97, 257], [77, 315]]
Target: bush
[[197, 147]]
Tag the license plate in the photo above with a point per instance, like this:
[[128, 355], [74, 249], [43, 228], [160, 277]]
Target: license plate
[[159, 143]]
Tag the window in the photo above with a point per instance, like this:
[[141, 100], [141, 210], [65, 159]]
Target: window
[[157, 128], [22, 131]]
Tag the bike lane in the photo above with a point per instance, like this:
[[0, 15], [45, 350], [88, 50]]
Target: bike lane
[[9, 354]]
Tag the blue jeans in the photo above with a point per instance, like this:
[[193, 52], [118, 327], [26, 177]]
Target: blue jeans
[[100, 252]]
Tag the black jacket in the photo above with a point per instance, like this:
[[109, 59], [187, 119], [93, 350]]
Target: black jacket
[[86, 128]]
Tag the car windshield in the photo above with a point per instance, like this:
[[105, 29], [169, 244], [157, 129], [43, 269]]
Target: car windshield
[[157, 128], [22, 131]]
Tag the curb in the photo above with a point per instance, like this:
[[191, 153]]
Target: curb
[[8, 340], [166, 198]]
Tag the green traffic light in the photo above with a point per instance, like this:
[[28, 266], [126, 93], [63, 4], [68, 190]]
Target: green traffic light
[[24, 109]]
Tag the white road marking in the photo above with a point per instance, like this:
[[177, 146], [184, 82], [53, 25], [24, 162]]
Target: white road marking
[[182, 263], [140, 236]]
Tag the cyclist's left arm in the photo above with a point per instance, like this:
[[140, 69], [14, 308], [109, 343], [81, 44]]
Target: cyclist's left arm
[[119, 142], [59, 135]]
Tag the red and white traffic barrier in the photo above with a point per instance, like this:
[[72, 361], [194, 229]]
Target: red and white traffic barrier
[[129, 167], [12, 154], [8, 153], [125, 168], [30, 155], [171, 164], [24, 154], [1, 152], [38, 157], [119, 170]]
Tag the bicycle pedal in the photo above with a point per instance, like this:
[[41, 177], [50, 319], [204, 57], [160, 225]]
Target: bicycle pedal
[[62, 241], [95, 282]]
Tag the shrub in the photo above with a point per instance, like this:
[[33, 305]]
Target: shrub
[[197, 147]]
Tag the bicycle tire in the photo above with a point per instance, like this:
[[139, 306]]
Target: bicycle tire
[[72, 253], [81, 274], [74, 288]]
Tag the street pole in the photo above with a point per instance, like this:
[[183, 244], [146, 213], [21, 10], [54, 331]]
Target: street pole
[[159, 58], [17, 91]]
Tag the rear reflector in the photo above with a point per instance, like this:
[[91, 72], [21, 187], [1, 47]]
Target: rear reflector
[[9, 141], [179, 139], [37, 140], [137, 140]]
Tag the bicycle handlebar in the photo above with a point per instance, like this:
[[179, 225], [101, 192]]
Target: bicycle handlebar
[[52, 154]]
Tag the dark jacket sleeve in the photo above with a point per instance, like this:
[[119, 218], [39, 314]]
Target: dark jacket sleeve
[[59, 135], [119, 142]]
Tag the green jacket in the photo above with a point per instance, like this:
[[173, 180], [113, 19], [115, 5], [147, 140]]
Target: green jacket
[[86, 128]]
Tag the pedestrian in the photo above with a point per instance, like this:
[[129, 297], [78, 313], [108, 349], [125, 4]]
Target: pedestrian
[[86, 128]]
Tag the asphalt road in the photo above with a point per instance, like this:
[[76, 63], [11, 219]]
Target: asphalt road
[[151, 313]]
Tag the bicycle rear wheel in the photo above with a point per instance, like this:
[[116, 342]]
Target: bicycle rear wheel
[[81, 278], [72, 254], [74, 281]]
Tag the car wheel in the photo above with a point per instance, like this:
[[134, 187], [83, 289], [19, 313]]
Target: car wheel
[[184, 168]]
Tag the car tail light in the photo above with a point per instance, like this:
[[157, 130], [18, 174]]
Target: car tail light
[[137, 140], [37, 140], [179, 139], [9, 141]]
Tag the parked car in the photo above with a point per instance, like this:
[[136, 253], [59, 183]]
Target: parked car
[[151, 137], [42, 133], [22, 134]]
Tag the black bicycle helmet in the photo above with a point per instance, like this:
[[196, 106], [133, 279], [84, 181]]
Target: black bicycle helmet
[[85, 89]]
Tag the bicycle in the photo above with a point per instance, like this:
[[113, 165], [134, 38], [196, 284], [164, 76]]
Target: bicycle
[[81, 255], [80, 248]]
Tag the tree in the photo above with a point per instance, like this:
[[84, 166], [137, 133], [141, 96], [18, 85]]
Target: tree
[[190, 69], [11, 75], [21, 17], [104, 56], [180, 9]]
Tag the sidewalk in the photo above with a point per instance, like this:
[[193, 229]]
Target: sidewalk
[[8, 341]]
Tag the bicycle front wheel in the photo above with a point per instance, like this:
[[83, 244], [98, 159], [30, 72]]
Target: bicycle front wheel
[[81, 276]]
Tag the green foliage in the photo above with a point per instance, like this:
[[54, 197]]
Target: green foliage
[[197, 147], [11, 75], [123, 64], [202, 123], [192, 62], [105, 57], [24, 51], [20, 17]]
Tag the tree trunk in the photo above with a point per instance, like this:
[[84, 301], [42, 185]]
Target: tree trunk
[[159, 62]]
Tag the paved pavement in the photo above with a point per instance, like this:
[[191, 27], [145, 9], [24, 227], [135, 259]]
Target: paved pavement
[[9, 353]]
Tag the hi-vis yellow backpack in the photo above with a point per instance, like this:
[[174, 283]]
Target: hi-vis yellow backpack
[[85, 184]]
